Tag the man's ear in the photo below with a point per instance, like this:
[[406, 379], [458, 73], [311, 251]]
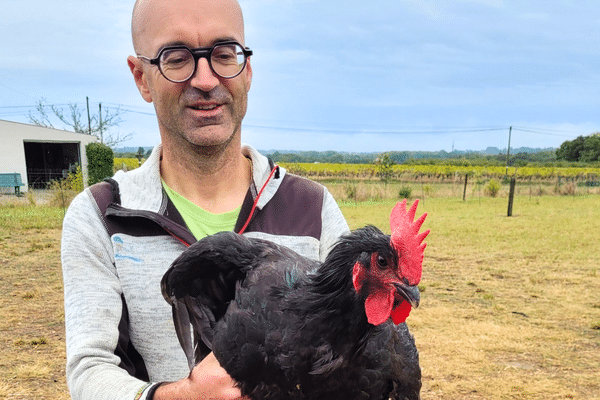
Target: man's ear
[[248, 75], [136, 67]]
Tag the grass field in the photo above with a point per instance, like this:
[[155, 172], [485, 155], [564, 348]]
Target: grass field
[[510, 306]]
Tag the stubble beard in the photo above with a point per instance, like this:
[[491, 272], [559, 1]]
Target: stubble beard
[[205, 136]]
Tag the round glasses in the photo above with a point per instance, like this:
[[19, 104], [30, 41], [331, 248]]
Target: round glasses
[[179, 63]]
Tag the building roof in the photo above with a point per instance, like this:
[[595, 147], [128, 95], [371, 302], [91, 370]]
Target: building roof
[[36, 132]]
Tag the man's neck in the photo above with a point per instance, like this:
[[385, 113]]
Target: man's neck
[[215, 179]]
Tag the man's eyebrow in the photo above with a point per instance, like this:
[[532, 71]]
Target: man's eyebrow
[[182, 43], [224, 39], [173, 43]]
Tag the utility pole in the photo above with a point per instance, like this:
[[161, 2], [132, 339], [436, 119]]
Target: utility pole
[[508, 151], [87, 100], [100, 122]]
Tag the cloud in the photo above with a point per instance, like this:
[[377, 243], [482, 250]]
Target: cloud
[[66, 36], [377, 65]]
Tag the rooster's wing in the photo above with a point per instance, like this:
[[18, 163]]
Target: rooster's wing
[[201, 283]]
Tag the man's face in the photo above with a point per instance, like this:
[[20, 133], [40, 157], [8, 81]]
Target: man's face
[[206, 110]]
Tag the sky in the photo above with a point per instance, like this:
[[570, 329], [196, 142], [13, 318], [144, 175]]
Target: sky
[[342, 75]]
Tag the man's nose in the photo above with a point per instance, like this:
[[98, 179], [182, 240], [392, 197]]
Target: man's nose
[[204, 78]]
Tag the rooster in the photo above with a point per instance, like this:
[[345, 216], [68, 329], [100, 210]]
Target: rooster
[[287, 327]]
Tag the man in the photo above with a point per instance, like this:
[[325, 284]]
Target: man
[[119, 239]]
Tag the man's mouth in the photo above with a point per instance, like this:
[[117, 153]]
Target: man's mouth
[[204, 107], [207, 111]]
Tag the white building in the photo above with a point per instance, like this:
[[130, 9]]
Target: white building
[[41, 154]]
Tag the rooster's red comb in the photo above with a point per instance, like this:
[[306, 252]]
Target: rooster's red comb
[[407, 240]]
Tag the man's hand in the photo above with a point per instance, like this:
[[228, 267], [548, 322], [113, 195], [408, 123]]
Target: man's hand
[[207, 381]]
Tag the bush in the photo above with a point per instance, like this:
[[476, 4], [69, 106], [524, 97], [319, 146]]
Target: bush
[[350, 190], [61, 194], [100, 162], [493, 188], [427, 190], [405, 192], [65, 190], [75, 180]]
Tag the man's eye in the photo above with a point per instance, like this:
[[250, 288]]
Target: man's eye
[[177, 57], [224, 56]]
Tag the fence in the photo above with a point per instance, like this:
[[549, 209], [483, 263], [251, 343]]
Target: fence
[[39, 178]]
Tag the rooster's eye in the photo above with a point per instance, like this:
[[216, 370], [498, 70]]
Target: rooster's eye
[[382, 262]]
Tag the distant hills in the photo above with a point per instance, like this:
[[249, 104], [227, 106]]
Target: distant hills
[[524, 153], [491, 154], [488, 151], [528, 150], [122, 150]]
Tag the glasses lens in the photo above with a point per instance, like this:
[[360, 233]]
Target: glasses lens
[[227, 60], [177, 64]]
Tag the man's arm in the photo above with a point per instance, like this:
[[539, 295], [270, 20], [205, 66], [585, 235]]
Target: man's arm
[[93, 308], [334, 225]]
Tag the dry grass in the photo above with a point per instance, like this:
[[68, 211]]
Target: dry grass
[[32, 353], [373, 190], [510, 306]]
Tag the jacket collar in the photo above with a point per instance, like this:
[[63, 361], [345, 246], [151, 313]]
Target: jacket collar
[[142, 188]]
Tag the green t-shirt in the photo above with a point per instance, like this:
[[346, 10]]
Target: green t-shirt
[[199, 221]]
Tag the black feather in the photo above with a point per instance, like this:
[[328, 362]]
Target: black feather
[[286, 327]]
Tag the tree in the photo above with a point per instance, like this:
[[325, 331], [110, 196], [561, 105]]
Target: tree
[[571, 149], [98, 124], [583, 148], [591, 149], [140, 155], [385, 167]]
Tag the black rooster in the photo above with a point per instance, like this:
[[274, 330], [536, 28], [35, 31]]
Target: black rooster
[[286, 327]]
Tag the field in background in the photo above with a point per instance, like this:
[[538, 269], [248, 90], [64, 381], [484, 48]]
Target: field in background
[[510, 306], [361, 182], [440, 172]]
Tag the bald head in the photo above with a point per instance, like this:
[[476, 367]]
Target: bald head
[[150, 16]]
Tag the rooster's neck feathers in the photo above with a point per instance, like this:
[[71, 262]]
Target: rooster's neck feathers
[[332, 282]]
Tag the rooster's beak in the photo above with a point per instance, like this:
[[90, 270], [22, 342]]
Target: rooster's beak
[[409, 293]]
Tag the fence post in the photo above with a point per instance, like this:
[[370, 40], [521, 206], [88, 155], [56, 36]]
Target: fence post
[[465, 189], [511, 195]]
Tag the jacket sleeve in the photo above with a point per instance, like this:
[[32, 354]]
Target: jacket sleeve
[[333, 226], [94, 308]]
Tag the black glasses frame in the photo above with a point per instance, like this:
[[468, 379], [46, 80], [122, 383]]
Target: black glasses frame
[[198, 53]]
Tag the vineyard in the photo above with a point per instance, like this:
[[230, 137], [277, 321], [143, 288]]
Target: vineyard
[[126, 164], [362, 182], [440, 172]]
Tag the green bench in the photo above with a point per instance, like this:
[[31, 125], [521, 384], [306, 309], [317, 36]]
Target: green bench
[[12, 179]]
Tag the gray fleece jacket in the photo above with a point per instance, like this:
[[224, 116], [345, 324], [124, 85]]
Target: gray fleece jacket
[[119, 329]]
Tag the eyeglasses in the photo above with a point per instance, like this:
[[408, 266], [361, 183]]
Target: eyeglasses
[[179, 63]]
